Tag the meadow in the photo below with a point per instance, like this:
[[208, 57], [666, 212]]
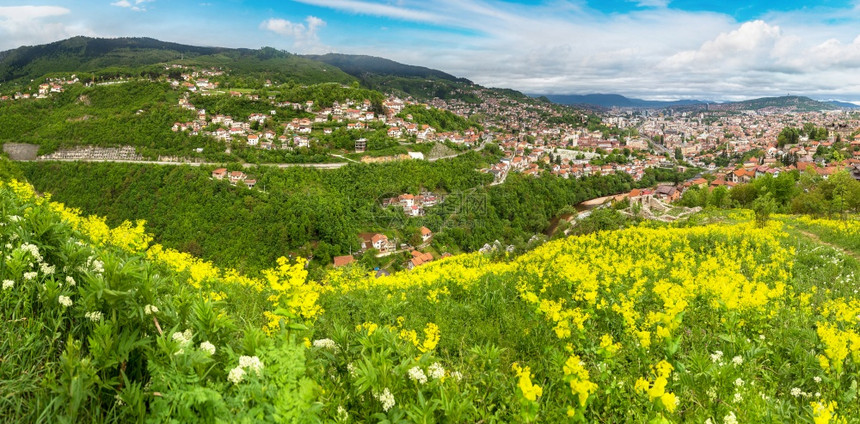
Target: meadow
[[722, 322]]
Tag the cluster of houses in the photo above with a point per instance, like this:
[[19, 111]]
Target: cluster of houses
[[386, 246], [51, 86], [234, 177], [351, 115], [413, 205]]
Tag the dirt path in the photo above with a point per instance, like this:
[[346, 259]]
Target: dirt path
[[814, 237]]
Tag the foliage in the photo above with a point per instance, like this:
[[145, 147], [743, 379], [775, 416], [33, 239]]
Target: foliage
[[651, 323], [440, 119]]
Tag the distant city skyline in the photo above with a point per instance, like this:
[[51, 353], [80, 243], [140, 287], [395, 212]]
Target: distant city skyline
[[650, 49]]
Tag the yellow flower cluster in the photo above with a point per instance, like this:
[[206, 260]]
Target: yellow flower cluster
[[432, 335], [837, 345], [291, 288], [657, 389], [846, 228], [529, 390], [578, 378], [608, 346], [825, 412], [287, 282]]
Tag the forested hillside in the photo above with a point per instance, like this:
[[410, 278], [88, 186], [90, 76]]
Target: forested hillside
[[725, 322], [136, 55], [304, 211]]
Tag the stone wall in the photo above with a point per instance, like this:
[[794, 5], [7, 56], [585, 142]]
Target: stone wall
[[21, 151], [125, 153]]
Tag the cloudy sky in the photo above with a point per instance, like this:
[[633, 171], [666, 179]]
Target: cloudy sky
[[655, 49]]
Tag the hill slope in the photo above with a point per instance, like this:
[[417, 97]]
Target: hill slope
[[616, 100], [84, 54], [358, 65], [602, 328]]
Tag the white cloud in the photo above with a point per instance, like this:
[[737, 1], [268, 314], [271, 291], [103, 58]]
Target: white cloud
[[651, 3], [305, 35], [565, 47], [26, 13], [26, 25], [137, 5], [375, 9]]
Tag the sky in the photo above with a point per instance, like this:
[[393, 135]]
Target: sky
[[653, 49]]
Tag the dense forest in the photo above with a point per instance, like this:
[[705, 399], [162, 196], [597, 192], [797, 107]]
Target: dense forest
[[317, 212]]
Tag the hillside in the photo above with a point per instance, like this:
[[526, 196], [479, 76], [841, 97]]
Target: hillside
[[358, 66], [109, 328], [316, 213], [790, 103], [84, 54], [616, 100]]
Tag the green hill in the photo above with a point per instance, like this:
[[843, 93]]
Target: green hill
[[84, 54], [723, 322]]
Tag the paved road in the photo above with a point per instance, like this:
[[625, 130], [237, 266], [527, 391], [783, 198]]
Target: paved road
[[246, 165]]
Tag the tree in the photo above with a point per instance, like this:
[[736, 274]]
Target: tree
[[788, 135], [763, 207]]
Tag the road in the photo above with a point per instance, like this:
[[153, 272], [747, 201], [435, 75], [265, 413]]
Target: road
[[246, 165]]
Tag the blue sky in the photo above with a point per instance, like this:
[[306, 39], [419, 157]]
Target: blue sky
[[656, 49]]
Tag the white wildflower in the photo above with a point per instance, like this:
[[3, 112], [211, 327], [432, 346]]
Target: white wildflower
[[236, 374], [8, 284], [150, 309], [739, 382], [795, 391], [185, 338], [386, 399], [94, 316], [761, 336], [457, 376], [326, 344], [251, 362], [350, 367], [716, 356], [730, 419], [818, 394], [207, 347], [708, 421], [436, 371], [712, 393], [737, 360], [32, 250], [65, 301], [342, 415], [417, 374], [817, 379], [738, 398], [14, 218], [70, 280], [47, 269], [30, 275], [95, 265]]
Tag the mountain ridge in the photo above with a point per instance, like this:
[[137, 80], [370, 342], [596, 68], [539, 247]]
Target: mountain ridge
[[802, 103]]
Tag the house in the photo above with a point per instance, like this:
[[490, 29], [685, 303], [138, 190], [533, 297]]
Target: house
[[667, 193], [340, 261], [418, 259], [250, 183], [237, 176], [253, 140], [375, 241], [219, 174], [426, 234]]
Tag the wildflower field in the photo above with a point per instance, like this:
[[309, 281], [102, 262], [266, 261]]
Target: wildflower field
[[719, 323]]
